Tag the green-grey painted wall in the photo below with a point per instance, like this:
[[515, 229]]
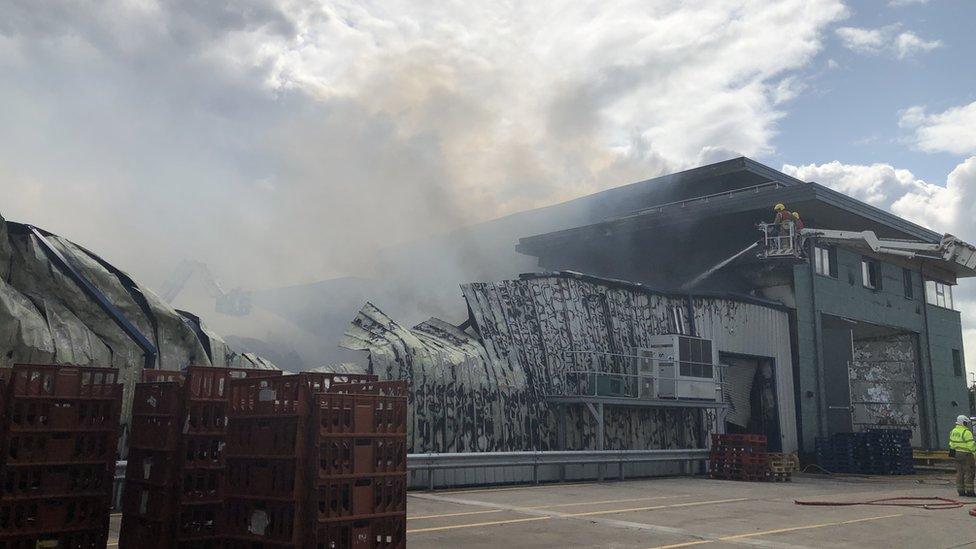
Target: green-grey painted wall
[[845, 296]]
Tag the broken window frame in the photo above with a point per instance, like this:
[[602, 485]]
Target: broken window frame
[[825, 260], [871, 273], [939, 294]]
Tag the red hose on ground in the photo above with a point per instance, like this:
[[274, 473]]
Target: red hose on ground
[[917, 502]]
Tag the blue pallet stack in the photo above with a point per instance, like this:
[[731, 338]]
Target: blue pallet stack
[[875, 452]]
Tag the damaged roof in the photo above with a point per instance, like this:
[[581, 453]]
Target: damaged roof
[[731, 211]]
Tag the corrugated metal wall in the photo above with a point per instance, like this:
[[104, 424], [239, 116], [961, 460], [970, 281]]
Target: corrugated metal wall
[[486, 393]]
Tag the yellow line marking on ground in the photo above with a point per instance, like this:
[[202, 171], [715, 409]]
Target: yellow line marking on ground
[[769, 532], [599, 502], [655, 507], [523, 487], [475, 525], [568, 515], [422, 517], [604, 501]]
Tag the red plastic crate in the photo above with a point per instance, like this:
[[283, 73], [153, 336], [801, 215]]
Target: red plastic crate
[[151, 467], [379, 533], [320, 382], [19, 517], [354, 498], [203, 451], [207, 417], [201, 485], [270, 397], [264, 521], [263, 478], [65, 447], [344, 456], [33, 380], [161, 376], [29, 414], [155, 432], [363, 414], [210, 383], [54, 481], [157, 398], [266, 437]]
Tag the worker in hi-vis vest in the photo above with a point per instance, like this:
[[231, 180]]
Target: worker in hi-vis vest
[[963, 448]]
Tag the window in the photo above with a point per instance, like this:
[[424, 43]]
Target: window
[[906, 276], [938, 294], [825, 260], [871, 274], [957, 368]]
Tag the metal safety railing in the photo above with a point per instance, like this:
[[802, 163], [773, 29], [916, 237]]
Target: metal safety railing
[[480, 460], [780, 240]]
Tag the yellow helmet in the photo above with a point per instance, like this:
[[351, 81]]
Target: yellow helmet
[[796, 215], [779, 207]]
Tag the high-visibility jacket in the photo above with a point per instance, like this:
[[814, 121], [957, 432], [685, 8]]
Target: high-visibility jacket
[[961, 439]]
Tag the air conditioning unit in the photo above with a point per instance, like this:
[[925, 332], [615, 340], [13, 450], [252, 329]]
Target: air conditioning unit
[[686, 366], [646, 373]]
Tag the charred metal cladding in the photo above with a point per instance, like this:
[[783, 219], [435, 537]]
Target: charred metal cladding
[[550, 361]]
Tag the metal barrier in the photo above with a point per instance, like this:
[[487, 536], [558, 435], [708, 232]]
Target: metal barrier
[[466, 460], [472, 460]]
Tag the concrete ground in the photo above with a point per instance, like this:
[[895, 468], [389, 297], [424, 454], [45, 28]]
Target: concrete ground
[[687, 512]]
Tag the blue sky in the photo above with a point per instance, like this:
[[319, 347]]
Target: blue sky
[[850, 113]]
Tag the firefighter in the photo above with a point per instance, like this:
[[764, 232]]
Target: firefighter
[[782, 221], [797, 222], [963, 448], [783, 217]]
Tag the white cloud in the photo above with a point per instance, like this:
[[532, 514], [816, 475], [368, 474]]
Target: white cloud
[[863, 40], [886, 40], [953, 130], [908, 43], [880, 185]]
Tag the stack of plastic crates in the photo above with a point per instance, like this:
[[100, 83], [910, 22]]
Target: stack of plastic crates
[[875, 452], [739, 457], [174, 493], [359, 466], [59, 453], [152, 471]]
